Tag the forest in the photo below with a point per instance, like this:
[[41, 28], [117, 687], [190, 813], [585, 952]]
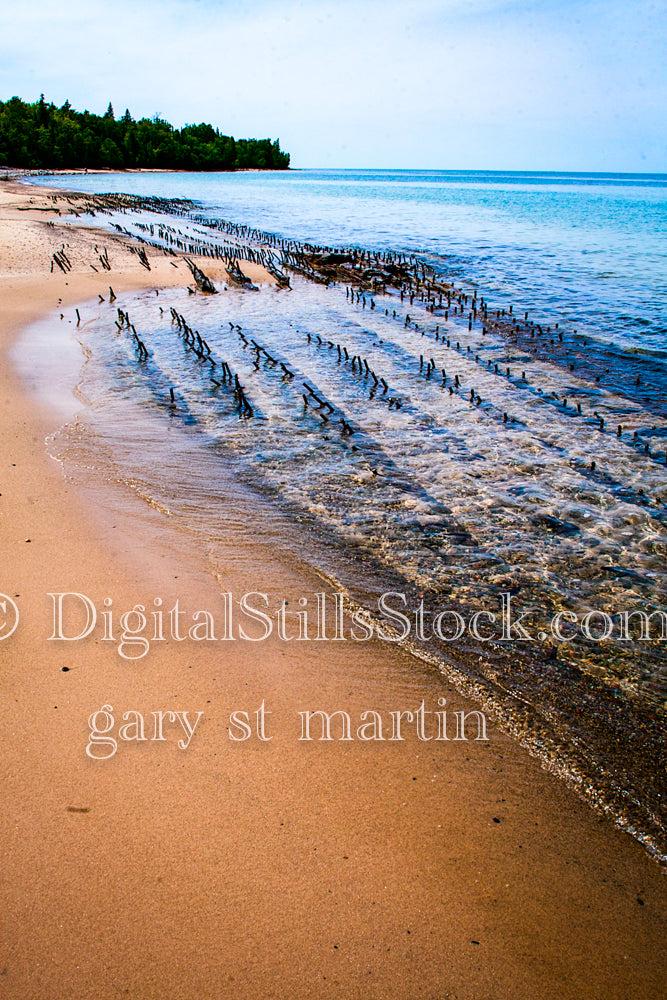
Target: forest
[[43, 136]]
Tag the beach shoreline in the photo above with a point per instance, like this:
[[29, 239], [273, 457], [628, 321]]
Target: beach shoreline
[[271, 868]]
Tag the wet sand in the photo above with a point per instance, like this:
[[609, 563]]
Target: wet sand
[[255, 869]]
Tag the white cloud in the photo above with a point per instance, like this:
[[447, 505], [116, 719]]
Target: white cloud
[[464, 83]]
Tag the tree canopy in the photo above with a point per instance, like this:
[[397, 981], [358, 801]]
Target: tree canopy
[[43, 136]]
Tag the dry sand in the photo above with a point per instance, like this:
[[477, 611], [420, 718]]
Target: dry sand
[[257, 870]]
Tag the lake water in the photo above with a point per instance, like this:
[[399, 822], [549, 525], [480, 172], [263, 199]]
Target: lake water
[[586, 249]]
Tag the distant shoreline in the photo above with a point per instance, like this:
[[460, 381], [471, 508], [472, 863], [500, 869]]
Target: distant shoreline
[[15, 173]]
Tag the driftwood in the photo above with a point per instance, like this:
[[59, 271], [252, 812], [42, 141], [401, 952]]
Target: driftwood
[[236, 275], [282, 280], [203, 283]]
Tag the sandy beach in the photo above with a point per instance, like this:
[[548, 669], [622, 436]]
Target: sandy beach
[[257, 868]]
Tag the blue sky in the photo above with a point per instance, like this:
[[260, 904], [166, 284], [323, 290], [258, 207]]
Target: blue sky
[[449, 84]]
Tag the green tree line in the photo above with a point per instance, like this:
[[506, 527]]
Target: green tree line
[[42, 136]]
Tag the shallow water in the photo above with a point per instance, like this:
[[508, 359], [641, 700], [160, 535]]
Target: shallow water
[[588, 250]]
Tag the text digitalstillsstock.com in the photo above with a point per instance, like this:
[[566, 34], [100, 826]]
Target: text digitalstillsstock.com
[[74, 617]]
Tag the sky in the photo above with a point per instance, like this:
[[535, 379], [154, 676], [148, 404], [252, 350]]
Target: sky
[[430, 84]]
